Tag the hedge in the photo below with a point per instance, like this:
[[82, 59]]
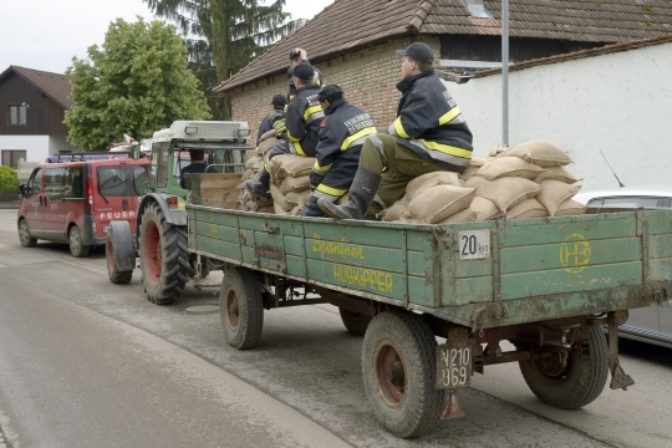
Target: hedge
[[8, 179]]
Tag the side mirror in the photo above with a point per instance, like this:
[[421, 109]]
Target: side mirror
[[23, 190]]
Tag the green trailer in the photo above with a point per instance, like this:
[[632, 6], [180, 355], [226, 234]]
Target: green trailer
[[540, 292]]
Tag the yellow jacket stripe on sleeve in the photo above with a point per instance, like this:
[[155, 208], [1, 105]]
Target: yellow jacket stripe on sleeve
[[449, 116], [349, 141], [399, 128]]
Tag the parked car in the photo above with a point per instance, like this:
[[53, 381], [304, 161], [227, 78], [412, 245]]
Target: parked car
[[652, 324], [74, 199]]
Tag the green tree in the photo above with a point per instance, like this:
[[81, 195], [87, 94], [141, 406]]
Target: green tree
[[223, 36], [136, 83]]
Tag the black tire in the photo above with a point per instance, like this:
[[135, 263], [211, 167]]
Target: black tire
[[577, 381], [26, 239], [163, 257], [119, 252], [355, 323], [399, 369], [241, 308], [75, 243]]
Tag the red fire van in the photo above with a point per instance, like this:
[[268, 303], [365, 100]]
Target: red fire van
[[74, 200]]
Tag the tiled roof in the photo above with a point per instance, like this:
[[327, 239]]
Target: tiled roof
[[54, 85], [349, 24]]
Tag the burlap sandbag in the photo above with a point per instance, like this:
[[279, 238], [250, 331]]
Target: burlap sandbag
[[553, 193], [421, 183], [466, 215], [483, 208], [529, 208], [440, 202], [398, 211], [297, 197], [497, 150], [268, 141], [509, 167], [556, 173], [469, 173], [570, 207], [266, 209], [508, 192], [539, 152], [476, 182], [280, 201], [290, 165], [295, 184]]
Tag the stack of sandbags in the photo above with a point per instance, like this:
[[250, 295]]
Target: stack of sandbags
[[253, 167], [527, 181], [290, 182]]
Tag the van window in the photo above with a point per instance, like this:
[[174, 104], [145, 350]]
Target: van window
[[631, 202], [55, 180], [74, 183], [122, 180]]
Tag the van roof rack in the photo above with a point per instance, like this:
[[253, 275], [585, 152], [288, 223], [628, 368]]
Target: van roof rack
[[86, 156]]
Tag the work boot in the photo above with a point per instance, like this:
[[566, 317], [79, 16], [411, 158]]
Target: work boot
[[362, 191], [260, 187]]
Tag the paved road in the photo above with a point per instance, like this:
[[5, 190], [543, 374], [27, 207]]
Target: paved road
[[84, 363]]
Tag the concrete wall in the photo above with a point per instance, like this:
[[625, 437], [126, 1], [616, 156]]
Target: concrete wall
[[619, 103], [368, 78]]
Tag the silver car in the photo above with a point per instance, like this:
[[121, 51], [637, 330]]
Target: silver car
[[652, 324]]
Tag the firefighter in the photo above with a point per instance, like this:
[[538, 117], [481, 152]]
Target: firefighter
[[297, 56], [274, 120], [342, 133], [429, 134], [304, 115]]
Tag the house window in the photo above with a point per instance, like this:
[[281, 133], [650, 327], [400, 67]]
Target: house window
[[11, 157], [18, 115]]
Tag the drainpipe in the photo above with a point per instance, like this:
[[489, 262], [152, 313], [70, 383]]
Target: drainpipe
[[505, 72]]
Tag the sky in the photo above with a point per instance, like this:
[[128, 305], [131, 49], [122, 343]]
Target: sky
[[46, 34]]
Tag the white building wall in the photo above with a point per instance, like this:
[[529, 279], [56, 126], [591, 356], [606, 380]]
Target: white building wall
[[58, 144], [36, 146], [619, 103]]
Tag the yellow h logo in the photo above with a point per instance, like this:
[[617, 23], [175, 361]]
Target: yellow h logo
[[575, 253]]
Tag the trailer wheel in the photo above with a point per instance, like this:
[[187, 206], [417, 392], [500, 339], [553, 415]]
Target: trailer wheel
[[399, 368], [355, 323], [163, 257], [241, 308], [77, 247], [26, 239], [119, 252], [570, 379]]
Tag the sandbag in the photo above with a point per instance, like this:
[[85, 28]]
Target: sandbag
[[297, 198], [476, 182], [267, 142], [539, 152], [529, 208], [508, 192], [497, 150], [440, 202], [466, 215], [509, 167], [295, 184], [483, 208], [290, 165], [398, 211], [280, 201], [428, 180], [556, 173], [570, 207], [553, 193]]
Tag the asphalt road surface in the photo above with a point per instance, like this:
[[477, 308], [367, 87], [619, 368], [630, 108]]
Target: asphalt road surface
[[85, 363]]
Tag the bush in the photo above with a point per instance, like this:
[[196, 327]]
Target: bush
[[8, 179]]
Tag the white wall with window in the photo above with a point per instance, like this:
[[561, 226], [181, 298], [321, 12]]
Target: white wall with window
[[32, 148], [617, 103]]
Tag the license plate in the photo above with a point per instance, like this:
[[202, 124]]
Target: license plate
[[474, 244], [453, 365]]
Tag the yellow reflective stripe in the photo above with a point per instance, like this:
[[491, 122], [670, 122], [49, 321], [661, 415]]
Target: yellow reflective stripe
[[356, 136], [321, 169], [447, 149], [298, 149], [399, 128], [310, 111], [337, 192], [449, 116], [292, 138]]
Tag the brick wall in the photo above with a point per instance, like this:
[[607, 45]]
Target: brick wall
[[368, 78]]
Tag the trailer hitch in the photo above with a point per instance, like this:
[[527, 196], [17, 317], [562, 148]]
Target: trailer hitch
[[619, 379]]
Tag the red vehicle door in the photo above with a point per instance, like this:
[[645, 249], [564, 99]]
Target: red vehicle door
[[54, 209], [31, 204], [117, 185]]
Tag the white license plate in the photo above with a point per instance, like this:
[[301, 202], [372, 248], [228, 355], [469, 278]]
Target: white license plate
[[474, 244], [453, 366]]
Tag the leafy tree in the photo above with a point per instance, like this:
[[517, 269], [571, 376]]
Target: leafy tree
[[136, 83], [224, 35]]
